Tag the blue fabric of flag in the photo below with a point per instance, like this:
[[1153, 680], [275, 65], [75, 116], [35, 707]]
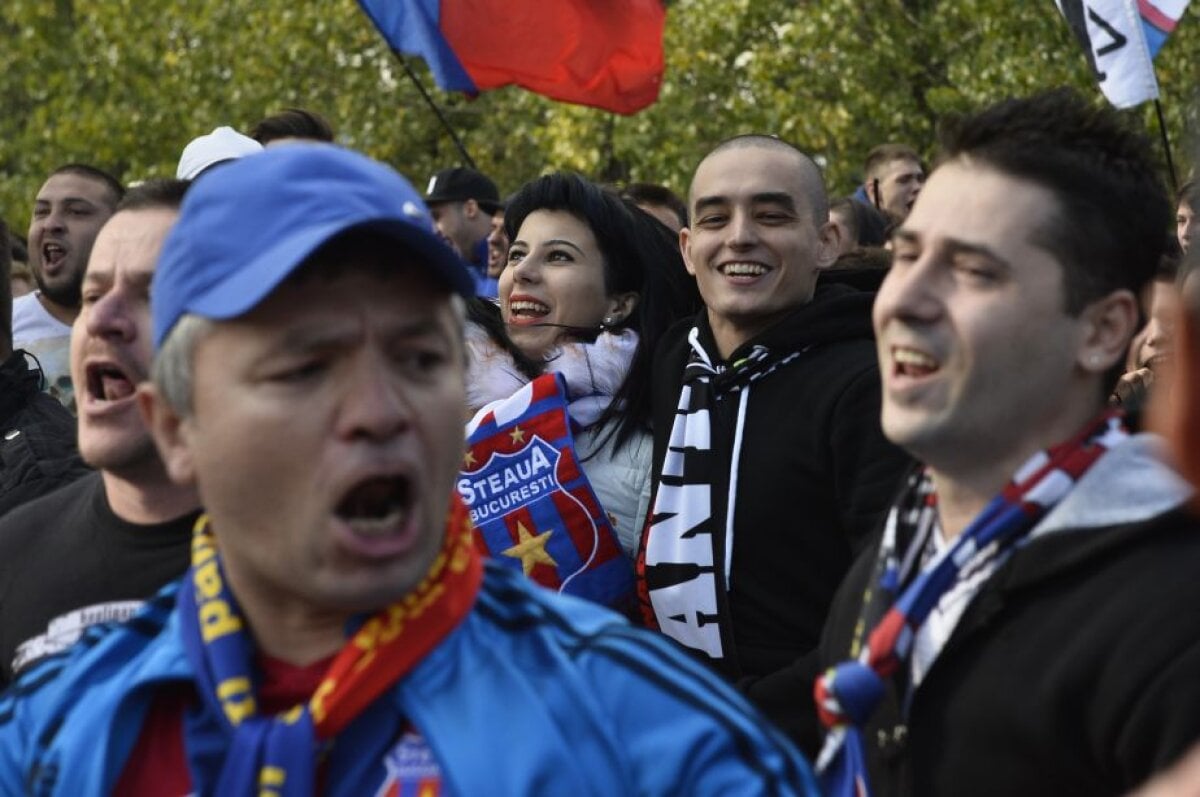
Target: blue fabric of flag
[[412, 27]]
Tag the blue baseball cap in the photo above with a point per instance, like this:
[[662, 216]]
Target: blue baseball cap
[[246, 226]]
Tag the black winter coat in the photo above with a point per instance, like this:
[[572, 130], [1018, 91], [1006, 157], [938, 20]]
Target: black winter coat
[[38, 451], [1075, 670], [815, 476]]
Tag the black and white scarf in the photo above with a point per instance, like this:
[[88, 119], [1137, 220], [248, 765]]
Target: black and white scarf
[[687, 546]]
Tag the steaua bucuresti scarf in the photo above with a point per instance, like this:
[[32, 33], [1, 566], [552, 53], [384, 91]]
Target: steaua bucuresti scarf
[[235, 750]]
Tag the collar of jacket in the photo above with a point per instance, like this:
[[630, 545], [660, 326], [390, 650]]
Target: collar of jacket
[[835, 313]]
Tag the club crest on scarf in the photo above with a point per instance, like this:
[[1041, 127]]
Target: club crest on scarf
[[531, 503]]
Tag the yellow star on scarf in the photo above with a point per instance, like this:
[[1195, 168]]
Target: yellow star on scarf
[[517, 434], [468, 460], [531, 550]]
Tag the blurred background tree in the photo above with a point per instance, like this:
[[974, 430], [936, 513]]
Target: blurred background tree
[[125, 85]]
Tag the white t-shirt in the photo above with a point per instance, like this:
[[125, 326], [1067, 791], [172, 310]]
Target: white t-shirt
[[47, 339]]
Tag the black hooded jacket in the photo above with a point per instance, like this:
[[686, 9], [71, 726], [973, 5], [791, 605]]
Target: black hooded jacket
[[815, 476], [37, 437]]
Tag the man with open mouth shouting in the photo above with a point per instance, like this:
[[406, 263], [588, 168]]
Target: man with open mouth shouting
[[92, 551], [71, 207], [337, 631], [1019, 626]]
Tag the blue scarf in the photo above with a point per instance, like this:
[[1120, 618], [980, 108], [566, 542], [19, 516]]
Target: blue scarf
[[236, 750]]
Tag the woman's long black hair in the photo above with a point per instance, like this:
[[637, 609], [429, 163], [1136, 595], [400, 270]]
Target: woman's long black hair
[[640, 256]]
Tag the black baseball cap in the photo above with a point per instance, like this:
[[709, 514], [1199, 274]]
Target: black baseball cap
[[460, 184]]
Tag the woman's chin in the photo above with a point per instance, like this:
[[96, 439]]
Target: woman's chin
[[534, 342]]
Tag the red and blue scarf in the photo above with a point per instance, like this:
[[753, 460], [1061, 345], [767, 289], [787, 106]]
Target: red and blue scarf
[[236, 750], [531, 503], [848, 694]]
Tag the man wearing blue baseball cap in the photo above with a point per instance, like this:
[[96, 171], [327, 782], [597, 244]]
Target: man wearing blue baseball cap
[[337, 631]]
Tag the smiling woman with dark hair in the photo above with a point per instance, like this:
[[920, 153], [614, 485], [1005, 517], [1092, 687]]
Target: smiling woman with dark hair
[[590, 284]]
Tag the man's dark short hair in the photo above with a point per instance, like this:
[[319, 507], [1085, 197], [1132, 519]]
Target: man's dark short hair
[[660, 195], [814, 180], [156, 193], [293, 123], [1112, 207], [884, 154], [115, 189]]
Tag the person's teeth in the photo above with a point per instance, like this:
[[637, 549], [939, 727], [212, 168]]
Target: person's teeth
[[914, 358], [380, 526], [533, 308], [744, 269]]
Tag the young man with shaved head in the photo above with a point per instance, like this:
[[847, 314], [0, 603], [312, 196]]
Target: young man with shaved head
[[771, 470], [1024, 623], [337, 632]]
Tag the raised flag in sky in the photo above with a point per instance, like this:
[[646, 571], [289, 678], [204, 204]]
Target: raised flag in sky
[[1120, 39], [603, 53]]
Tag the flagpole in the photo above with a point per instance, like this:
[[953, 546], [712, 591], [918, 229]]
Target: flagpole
[[438, 111], [1162, 128]]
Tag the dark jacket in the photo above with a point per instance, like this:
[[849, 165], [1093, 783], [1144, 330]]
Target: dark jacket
[[37, 437], [1073, 671], [814, 477]]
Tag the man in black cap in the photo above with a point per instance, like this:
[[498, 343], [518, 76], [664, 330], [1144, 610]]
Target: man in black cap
[[462, 202]]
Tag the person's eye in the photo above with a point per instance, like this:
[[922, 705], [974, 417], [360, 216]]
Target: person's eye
[[91, 297], [515, 255], [303, 371], [711, 220], [560, 255], [774, 217], [422, 361], [80, 212], [904, 255], [976, 272]]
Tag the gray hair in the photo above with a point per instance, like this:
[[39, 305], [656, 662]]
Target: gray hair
[[172, 368]]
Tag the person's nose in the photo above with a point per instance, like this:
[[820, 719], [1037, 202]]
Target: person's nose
[[108, 317], [375, 402]]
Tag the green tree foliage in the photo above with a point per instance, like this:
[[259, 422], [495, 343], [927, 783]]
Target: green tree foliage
[[124, 84]]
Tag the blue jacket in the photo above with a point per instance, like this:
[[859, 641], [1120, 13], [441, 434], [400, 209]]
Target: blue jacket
[[533, 693]]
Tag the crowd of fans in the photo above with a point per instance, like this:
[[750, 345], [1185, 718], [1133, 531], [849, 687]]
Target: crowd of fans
[[311, 482]]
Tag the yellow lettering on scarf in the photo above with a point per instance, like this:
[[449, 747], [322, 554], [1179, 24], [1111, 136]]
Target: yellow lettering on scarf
[[292, 716], [462, 555], [269, 781], [236, 698], [216, 617], [208, 580], [395, 624], [317, 704], [217, 620]]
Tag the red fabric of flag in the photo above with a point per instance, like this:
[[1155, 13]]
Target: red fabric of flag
[[603, 53]]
